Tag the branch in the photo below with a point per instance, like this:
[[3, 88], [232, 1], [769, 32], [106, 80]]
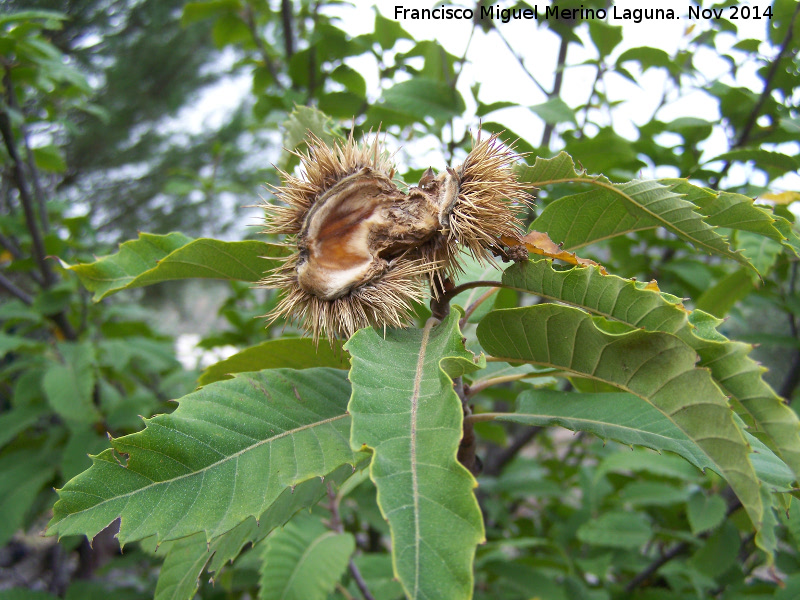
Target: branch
[[288, 36], [32, 170], [521, 63], [773, 69], [734, 504], [495, 465], [562, 61], [249, 19], [479, 387], [455, 291], [474, 306], [26, 200], [466, 448], [656, 565], [337, 526], [12, 289], [9, 245], [362, 585], [598, 75]]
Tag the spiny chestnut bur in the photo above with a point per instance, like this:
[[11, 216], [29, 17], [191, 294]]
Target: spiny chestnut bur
[[364, 251]]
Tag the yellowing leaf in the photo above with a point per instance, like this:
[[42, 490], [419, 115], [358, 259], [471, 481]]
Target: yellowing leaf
[[538, 242], [652, 286], [781, 197]]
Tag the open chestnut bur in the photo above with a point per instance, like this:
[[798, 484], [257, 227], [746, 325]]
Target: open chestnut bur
[[364, 250]]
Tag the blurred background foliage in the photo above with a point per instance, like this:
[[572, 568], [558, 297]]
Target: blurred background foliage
[[97, 113]]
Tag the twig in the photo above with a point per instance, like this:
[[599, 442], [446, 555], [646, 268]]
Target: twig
[[598, 75], [249, 19], [654, 566], [479, 387], [288, 36], [32, 170], [26, 200], [562, 61], [756, 112], [734, 504], [9, 245], [337, 526], [495, 465], [455, 291], [473, 307], [362, 585], [343, 591], [12, 289], [312, 57], [521, 63], [466, 448]]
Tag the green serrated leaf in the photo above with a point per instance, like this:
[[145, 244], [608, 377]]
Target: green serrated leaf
[[411, 418], [288, 353], [304, 120], [189, 556], [155, 258], [304, 560], [644, 461], [652, 493], [642, 306], [227, 453], [765, 159], [762, 251], [649, 202], [611, 416], [657, 367], [388, 31], [735, 211], [351, 79]]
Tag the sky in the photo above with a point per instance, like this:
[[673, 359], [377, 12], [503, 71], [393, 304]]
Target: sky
[[491, 63]]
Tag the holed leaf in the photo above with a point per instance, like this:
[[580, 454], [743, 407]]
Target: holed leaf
[[657, 367], [156, 258], [226, 454], [405, 409]]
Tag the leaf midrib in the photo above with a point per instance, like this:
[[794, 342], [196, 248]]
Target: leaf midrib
[[303, 557], [621, 387], [661, 220], [413, 439], [207, 467]]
